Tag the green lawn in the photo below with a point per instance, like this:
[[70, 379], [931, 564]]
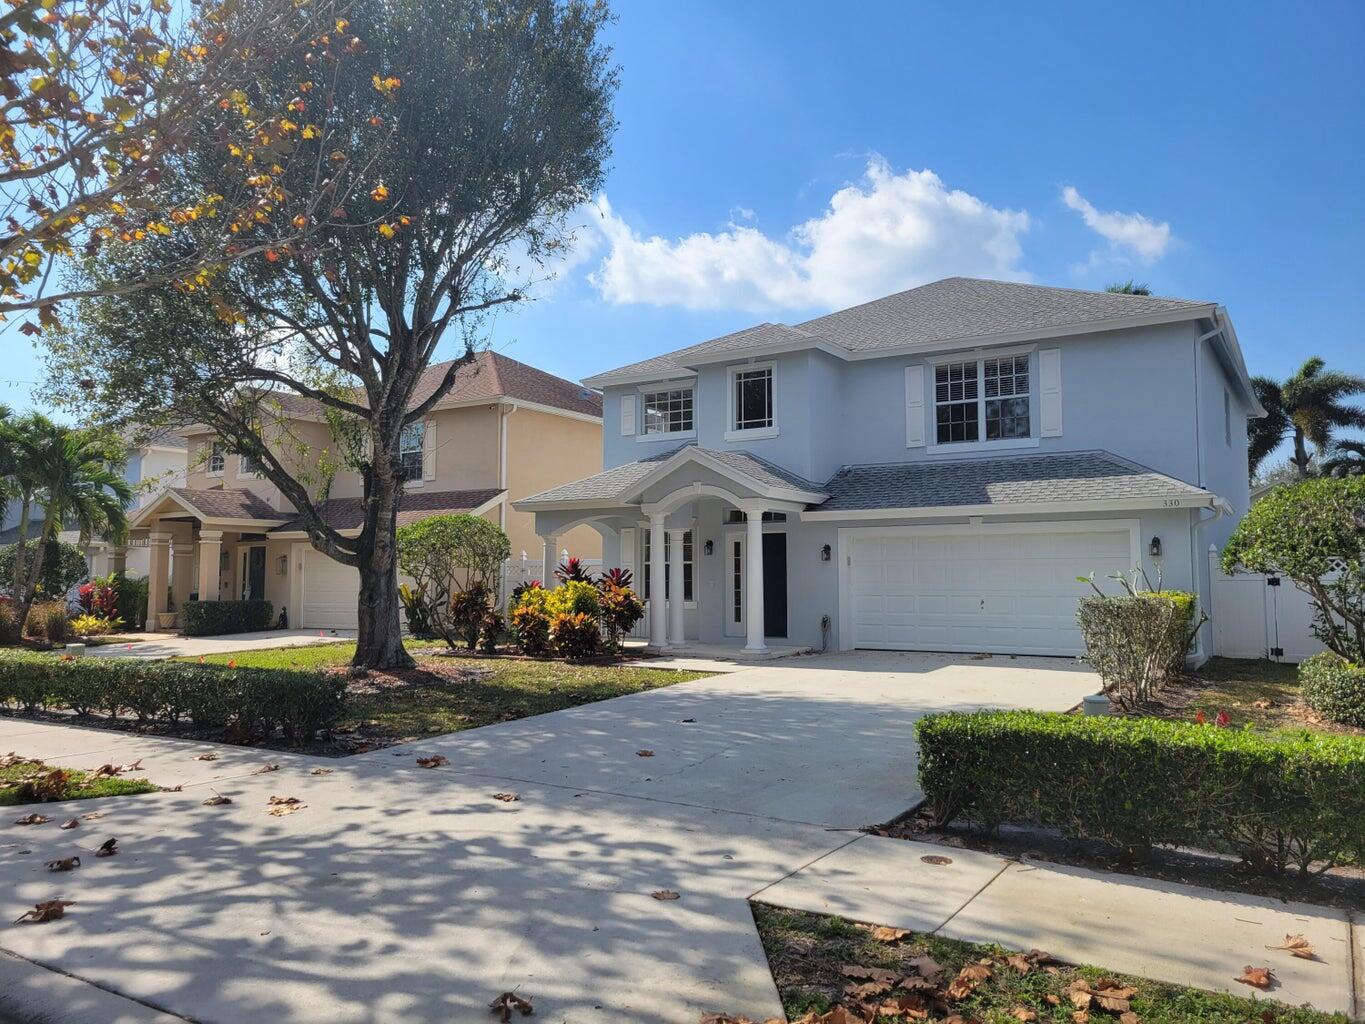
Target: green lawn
[[429, 702], [807, 954], [76, 786]]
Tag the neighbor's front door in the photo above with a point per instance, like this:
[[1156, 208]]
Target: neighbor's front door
[[774, 584], [253, 574]]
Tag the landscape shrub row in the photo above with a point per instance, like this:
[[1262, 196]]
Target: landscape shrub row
[[1136, 641], [1135, 783], [251, 703], [214, 618], [1334, 688]]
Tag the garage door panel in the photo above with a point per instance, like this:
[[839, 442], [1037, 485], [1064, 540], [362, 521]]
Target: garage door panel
[[331, 593], [986, 591]]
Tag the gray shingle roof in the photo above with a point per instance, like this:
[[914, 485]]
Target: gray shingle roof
[[947, 310], [348, 513], [617, 483], [1013, 480]]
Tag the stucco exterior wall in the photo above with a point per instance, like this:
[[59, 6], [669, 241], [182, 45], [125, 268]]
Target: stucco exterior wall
[[544, 450]]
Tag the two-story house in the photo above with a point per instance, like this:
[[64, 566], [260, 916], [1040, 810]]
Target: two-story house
[[932, 470], [504, 431], [154, 464]]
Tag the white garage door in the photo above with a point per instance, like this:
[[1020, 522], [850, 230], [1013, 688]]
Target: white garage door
[[331, 592], [979, 590]]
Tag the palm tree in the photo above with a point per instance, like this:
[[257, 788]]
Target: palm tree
[[1346, 458], [1307, 407], [1128, 288], [71, 473]]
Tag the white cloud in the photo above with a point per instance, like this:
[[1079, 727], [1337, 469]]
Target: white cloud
[[885, 233], [1127, 233]]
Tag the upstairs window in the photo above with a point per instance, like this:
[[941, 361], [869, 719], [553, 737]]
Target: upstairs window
[[410, 446], [248, 466], [668, 412], [1006, 386], [982, 399], [217, 458], [956, 393], [752, 398]]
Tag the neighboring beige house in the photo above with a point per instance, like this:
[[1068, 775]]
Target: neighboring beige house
[[153, 466], [505, 431]]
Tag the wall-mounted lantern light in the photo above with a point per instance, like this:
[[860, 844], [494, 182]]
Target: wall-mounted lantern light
[[708, 547], [1154, 548], [825, 553]]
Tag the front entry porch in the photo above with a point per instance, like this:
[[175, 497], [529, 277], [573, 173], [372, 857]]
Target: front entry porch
[[706, 537]]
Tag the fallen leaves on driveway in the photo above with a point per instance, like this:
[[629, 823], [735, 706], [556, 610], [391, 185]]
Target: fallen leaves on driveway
[[509, 1001], [644, 753], [110, 770], [433, 761], [321, 771], [64, 864], [108, 848], [1297, 945], [936, 859], [70, 823], [210, 756], [217, 800], [263, 769], [1257, 977], [664, 894], [507, 798], [282, 805], [33, 819], [48, 910]]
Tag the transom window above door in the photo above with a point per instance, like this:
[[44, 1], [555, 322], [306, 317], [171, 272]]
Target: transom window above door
[[982, 398], [751, 398], [667, 412]]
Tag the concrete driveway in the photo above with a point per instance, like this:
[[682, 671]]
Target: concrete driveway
[[406, 894], [173, 645]]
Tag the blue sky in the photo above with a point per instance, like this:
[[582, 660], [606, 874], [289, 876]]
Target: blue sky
[[777, 160]]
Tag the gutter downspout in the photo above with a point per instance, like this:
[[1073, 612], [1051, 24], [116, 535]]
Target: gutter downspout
[[504, 411], [1220, 509], [1198, 398]]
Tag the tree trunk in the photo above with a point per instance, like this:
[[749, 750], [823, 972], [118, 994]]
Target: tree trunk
[[1300, 454], [34, 574], [380, 644]]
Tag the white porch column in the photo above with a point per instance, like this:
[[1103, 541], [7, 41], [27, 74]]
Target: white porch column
[[753, 611], [118, 560], [210, 558], [677, 594], [658, 635], [182, 571], [549, 559]]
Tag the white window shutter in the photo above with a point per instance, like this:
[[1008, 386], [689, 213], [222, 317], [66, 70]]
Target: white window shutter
[[429, 451], [627, 555], [627, 414], [914, 406], [1050, 392]]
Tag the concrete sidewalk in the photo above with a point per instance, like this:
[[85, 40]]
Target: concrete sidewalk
[[1162, 930]]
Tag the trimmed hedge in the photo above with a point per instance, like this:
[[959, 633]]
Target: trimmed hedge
[[1136, 641], [251, 702], [1134, 783], [1334, 688], [214, 618]]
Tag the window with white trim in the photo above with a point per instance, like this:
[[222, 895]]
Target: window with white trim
[[956, 395], [985, 399], [667, 412], [248, 466], [687, 565], [752, 398], [1006, 389], [410, 445], [217, 457]]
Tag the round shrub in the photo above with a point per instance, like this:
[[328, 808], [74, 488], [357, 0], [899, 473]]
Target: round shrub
[[531, 627], [576, 635], [1334, 688]]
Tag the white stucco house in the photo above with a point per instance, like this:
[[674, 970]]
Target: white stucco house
[[931, 470]]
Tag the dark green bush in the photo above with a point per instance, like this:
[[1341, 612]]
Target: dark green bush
[[1334, 688], [130, 600], [48, 621], [253, 703], [214, 618], [63, 567], [1134, 783]]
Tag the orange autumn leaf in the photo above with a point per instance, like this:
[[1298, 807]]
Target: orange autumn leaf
[[380, 193]]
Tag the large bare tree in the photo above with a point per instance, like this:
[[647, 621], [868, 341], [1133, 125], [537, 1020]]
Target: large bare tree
[[460, 136]]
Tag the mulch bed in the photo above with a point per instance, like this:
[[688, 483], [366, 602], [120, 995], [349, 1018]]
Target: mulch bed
[[1342, 886], [1179, 698]]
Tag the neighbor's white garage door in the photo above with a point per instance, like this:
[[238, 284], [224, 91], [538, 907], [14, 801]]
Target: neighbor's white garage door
[[330, 593], [1012, 593]]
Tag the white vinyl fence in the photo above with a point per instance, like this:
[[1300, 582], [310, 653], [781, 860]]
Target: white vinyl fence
[[516, 571], [1256, 616]]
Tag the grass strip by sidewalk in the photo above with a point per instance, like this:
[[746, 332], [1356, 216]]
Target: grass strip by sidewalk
[[808, 952], [76, 785]]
